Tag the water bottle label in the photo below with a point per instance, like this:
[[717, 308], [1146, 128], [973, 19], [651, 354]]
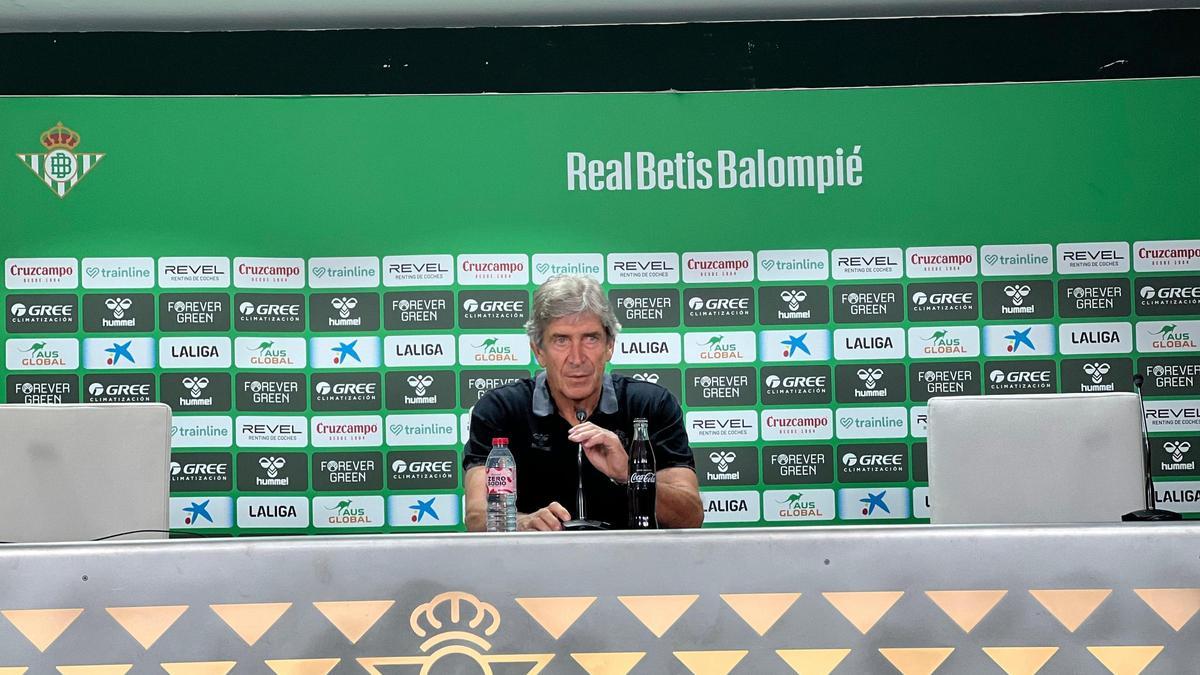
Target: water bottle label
[[501, 481]]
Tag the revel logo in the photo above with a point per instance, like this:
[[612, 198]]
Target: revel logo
[[194, 272], [724, 426], [643, 268], [1093, 258], [868, 263], [275, 431], [418, 270]]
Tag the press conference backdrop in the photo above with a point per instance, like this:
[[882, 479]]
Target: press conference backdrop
[[321, 288]]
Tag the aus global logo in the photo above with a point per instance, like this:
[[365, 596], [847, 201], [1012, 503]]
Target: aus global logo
[[60, 167]]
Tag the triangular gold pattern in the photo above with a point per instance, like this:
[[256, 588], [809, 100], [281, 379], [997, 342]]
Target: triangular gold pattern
[[657, 612], [250, 621], [41, 626], [608, 663], [711, 663], [863, 608], [1020, 660], [1071, 606], [199, 667], [812, 661], [302, 666], [107, 669], [966, 608], [918, 660], [147, 624], [13, 670], [760, 610], [556, 615], [1129, 660], [354, 618], [1176, 606]]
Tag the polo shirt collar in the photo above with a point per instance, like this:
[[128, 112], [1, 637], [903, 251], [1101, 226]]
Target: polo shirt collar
[[543, 403]]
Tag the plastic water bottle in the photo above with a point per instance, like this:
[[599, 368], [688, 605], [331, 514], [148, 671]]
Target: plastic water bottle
[[501, 473]]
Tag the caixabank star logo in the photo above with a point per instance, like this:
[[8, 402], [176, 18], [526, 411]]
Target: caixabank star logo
[[60, 167]]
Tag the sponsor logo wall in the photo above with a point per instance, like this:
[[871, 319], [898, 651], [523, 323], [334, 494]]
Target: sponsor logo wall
[[322, 395]]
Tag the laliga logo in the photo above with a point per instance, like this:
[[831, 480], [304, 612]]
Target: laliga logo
[[419, 383], [118, 306], [460, 624], [1177, 449], [722, 459], [646, 377], [272, 465], [344, 305], [195, 385], [1017, 293], [1097, 371], [870, 376], [793, 299], [60, 168]]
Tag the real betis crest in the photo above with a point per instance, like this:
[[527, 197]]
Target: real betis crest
[[60, 168]]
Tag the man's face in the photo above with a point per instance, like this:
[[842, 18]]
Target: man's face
[[574, 352]]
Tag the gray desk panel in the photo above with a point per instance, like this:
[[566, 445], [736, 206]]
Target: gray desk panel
[[545, 602]]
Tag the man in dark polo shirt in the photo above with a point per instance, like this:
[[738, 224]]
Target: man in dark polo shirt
[[572, 331]]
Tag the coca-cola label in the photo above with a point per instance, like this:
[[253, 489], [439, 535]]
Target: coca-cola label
[[647, 478], [501, 481]]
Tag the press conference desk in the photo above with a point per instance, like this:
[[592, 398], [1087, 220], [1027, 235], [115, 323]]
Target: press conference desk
[[855, 599]]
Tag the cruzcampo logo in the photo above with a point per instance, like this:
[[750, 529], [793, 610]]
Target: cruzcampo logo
[[60, 167]]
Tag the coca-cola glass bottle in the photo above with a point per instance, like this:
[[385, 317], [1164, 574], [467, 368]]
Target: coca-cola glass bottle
[[642, 480]]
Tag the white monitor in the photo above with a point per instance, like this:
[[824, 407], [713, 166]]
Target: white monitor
[[1039, 458], [82, 472]]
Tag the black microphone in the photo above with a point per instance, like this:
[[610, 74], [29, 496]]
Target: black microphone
[[1151, 512], [581, 416]]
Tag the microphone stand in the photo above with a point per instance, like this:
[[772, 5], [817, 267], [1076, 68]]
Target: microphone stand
[[1151, 513], [581, 521]]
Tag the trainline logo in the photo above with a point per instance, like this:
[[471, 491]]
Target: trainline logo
[[355, 272], [118, 272]]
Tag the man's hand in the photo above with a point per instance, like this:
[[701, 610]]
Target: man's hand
[[603, 450], [548, 519]]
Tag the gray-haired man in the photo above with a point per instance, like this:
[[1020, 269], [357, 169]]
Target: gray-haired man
[[572, 331]]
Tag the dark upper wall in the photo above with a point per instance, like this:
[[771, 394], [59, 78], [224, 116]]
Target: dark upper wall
[[693, 56]]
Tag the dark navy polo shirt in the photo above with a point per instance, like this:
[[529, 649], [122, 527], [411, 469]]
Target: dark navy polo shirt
[[524, 412]]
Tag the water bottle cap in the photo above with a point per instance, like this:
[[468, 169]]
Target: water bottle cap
[[500, 440]]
